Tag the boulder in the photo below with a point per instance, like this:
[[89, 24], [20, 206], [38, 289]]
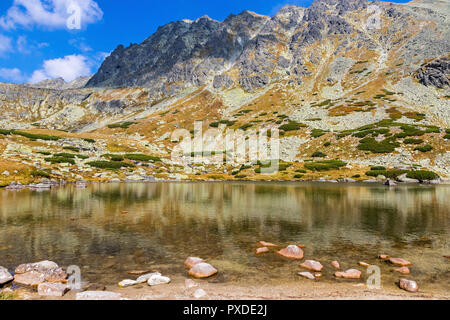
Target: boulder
[[262, 250], [48, 269], [408, 285], [400, 262], [5, 276], [349, 274], [292, 252], [156, 280], [335, 264], [307, 275], [403, 270], [98, 295], [146, 277], [127, 283], [94, 287], [52, 289], [266, 244], [32, 278], [192, 261], [202, 270], [312, 265]]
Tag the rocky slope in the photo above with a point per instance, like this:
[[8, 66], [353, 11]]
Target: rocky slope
[[331, 83]]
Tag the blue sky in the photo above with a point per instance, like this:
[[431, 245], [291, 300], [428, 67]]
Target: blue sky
[[36, 41]]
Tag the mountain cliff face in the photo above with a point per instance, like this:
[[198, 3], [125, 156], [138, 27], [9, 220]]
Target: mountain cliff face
[[332, 84], [251, 51]]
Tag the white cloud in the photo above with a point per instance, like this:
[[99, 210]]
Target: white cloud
[[13, 75], [69, 68], [49, 13], [5, 44]]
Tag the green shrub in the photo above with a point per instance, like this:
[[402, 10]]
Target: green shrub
[[109, 164], [413, 141], [40, 173], [292, 126], [356, 176], [318, 154], [325, 165], [447, 136], [391, 174], [258, 170], [45, 153], [245, 127], [36, 136], [327, 144], [433, 130], [122, 125], [56, 159], [422, 175], [5, 132], [377, 168], [142, 157], [426, 148], [240, 176], [298, 176], [301, 171], [74, 149], [89, 140], [284, 166], [317, 133], [370, 144]]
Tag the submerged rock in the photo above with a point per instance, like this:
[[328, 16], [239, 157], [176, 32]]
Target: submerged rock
[[403, 270], [94, 287], [349, 274], [51, 289], [400, 262], [127, 283], [267, 244], [262, 250], [383, 257], [98, 295], [5, 276], [335, 264], [364, 264], [202, 270], [292, 252], [146, 277], [312, 265], [156, 280], [408, 285], [192, 261], [307, 275]]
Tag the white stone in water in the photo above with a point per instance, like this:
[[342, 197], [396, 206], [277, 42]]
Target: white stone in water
[[307, 275], [127, 283], [200, 293], [158, 280], [5, 276], [98, 295], [146, 277]]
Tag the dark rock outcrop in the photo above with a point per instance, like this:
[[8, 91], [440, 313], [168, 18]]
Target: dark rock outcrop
[[435, 73]]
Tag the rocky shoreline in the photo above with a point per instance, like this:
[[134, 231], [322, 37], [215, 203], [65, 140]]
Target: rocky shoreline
[[47, 280]]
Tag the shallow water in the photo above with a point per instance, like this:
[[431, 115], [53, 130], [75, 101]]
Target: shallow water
[[222, 222]]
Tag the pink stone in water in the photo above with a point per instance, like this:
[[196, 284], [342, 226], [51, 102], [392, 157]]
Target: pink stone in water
[[292, 252], [202, 270], [335, 265], [349, 274], [312, 265], [262, 250], [409, 285], [192, 261], [400, 262]]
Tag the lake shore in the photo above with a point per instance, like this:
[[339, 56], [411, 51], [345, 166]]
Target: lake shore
[[296, 290]]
